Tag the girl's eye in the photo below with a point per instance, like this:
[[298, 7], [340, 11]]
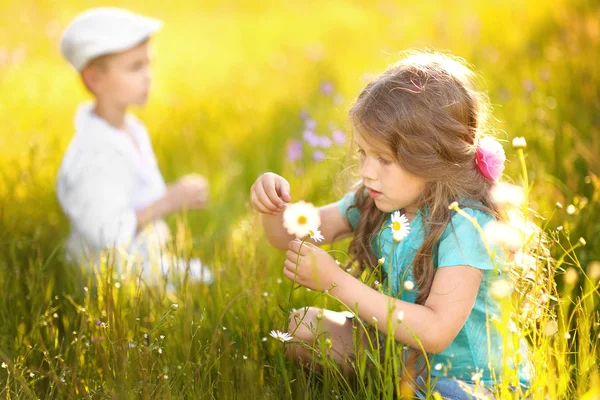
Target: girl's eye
[[383, 161], [361, 153]]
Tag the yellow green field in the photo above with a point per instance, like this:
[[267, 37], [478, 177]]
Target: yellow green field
[[230, 82]]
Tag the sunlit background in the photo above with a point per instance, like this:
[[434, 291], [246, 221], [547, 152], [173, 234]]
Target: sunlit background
[[234, 84]]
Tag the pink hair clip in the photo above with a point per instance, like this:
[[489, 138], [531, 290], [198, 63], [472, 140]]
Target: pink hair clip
[[490, 158]]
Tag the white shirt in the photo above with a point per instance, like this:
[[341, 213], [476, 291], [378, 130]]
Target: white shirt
[[102, 181]]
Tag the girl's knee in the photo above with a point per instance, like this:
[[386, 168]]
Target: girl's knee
[[302, 324]]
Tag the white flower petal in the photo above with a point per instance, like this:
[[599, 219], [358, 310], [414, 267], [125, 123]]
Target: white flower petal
[[300, 218]]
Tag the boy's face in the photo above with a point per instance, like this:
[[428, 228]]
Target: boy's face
[[123, 78]]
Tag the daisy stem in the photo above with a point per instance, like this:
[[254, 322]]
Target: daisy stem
[[289, 308]]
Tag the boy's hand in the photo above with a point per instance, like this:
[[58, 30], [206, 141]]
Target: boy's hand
[[190, 191], [269, 194], [315, 269]]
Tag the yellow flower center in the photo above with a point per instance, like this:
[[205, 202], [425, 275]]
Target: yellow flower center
[[302, 220], [396, 226]]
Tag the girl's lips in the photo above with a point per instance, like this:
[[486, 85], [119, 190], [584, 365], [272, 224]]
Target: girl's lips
[[374, 194]]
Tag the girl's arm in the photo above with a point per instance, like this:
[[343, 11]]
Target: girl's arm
[[436, 323], [333, 227], [269, 194]]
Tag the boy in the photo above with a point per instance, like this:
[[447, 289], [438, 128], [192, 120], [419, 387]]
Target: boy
[[109, 184]]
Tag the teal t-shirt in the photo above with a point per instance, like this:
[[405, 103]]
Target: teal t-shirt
[[460, 244]]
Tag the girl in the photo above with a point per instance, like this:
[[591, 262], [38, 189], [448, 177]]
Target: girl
[[418, 129]]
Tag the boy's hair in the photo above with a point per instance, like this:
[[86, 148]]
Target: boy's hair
[[426, 110]]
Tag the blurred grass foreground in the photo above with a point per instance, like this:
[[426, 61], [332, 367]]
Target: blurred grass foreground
[[234, 83]]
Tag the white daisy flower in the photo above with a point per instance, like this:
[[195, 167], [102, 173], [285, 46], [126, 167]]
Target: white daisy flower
[[281, 336], [315, 234], [301, 218], [400, 226]]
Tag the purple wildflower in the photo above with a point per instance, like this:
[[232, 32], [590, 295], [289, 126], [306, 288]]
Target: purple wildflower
[[339, 137], [310, 124], [326, 88], [318, 155], [324, 142], [311, 138], [294, 151]]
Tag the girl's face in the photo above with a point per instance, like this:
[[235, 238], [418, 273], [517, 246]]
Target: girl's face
[[389, 184]]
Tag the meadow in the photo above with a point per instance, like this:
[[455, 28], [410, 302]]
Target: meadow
[[234, 84]]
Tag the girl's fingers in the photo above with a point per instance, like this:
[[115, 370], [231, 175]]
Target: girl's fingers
[[290, 265], [271, 192], [264, 199], [284, 190], [257, 204], [298, 247], [290, 275], [291, 255]]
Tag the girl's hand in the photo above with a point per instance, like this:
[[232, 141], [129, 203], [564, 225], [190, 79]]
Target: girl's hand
[[269, 194], [316, 269]]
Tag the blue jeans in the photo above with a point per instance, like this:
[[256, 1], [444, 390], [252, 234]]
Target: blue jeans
[[454, 389]]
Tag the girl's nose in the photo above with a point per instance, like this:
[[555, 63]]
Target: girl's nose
[[367, 171]]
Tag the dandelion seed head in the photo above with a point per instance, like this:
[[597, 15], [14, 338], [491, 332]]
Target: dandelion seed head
[[409, 285], [571, 209]]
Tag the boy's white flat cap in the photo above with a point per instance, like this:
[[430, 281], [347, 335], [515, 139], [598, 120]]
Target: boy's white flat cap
[[104, 30]]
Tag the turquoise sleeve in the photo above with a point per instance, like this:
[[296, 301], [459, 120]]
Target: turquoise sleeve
[[351, 214], [462, 243]]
